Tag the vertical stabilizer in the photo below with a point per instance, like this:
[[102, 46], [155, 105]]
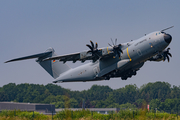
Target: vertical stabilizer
[[54, 68]]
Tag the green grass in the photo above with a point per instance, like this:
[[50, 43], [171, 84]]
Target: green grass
[[22, 115], [138, 114]]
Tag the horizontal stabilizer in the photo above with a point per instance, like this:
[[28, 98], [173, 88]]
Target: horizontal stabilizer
[[30, 56], [54, 68]]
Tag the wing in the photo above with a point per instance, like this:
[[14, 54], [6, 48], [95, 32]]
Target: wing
[[93, 54], [79, 56], [102, 53], [82, 56]]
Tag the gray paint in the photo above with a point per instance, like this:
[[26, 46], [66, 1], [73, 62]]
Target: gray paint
[[108, 65]]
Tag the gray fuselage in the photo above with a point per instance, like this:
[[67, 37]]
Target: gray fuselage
[[135, 53]]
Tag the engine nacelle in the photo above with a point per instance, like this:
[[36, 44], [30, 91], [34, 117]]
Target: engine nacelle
[[162, 56], [157, 58]]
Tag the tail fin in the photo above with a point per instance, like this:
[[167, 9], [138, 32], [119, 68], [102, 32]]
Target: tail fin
[[54, 68]]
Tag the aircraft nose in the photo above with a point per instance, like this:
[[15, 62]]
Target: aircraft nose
[[167, 38]]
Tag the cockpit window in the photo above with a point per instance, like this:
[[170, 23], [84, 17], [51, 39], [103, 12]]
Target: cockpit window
[[160, 33]]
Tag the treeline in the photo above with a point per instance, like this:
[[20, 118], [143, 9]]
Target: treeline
[[158, 95]]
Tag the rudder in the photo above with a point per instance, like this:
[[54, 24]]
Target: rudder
[[54, 68]]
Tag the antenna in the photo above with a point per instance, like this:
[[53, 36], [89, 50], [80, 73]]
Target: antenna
[[167, 28]]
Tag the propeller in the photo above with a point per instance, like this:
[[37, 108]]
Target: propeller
[[93, 49], [116, 48], [166, 54]]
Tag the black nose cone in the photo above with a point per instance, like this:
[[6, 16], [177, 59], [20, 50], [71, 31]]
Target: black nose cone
[[167, 38]]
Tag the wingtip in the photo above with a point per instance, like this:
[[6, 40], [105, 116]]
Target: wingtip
[[7, 61]]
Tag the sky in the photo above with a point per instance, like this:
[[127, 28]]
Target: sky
[[30, 27]]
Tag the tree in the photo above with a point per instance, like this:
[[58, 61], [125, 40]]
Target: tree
[[127, 105], [127, 94], [66, 101], [73, 103], [157, 90], [97, 92], [159, 95], [139, 103], [169, 104], [175, 92], [50, 99], [56, 90], [10, 90], [155, 103], [3, 96]]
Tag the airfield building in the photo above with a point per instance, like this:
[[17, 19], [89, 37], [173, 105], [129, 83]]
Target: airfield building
[[42, 108]]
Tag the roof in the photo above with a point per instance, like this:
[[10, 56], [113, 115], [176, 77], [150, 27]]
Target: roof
[[24, 103]]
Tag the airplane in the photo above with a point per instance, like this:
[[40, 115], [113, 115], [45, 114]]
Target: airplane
[[116, 60]]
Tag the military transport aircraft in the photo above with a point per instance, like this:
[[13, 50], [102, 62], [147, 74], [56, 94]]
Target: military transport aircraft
[[117, 60]]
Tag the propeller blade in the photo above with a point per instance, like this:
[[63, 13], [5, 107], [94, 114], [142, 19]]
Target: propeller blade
[[92, 44], [116, 41], [89, 47], [110, 45], [167, 57], [116, 48], [164, 55], [169, 54], [96, 45], [93, 50], [89, 51], [168, 49], [112, 42], [121, 51]]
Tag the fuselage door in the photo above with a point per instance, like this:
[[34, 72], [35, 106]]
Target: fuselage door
[[139, 52], [96, 71]]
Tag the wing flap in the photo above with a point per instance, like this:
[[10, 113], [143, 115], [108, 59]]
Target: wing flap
[[64, 58]]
